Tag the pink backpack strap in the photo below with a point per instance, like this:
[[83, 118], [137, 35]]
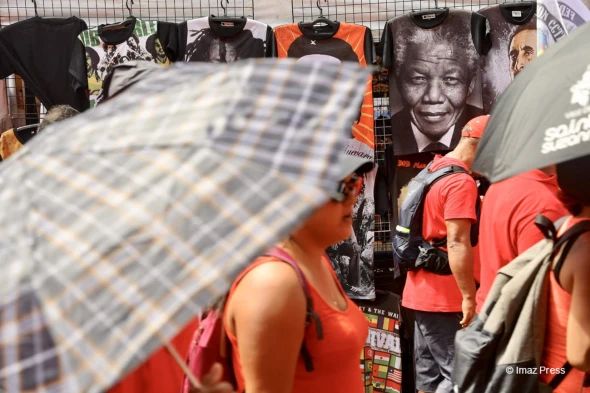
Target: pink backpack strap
[[283, 256]]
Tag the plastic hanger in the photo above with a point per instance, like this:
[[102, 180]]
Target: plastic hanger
[[25, 133], [35, 5], [124, 24], [321, 21], [225, 18]]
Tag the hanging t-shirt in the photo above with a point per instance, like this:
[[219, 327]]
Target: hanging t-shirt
[[381, 358], [223, 40], [353, 258], [556, 19], [39, 50], [513, 35], [435, 83], [105, 46]]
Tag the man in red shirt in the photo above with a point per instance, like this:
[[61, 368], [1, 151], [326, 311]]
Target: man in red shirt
[[444, 304], [507, 226]]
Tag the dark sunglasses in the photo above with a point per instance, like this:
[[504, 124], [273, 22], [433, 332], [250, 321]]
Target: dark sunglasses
[[352, 186]]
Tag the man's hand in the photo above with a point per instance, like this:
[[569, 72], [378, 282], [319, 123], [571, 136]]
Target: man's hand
[[212, 383], [468, 307]]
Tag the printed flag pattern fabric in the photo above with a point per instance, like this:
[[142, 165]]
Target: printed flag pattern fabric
[[117, 236], [381, 362]]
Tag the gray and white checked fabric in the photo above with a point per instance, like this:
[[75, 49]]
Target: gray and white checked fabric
[[118, 225]]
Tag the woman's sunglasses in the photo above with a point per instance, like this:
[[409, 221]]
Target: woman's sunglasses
[[352, 186]]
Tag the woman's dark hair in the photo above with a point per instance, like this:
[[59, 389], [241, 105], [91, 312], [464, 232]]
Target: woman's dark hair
[[573, 177], [94, 59]]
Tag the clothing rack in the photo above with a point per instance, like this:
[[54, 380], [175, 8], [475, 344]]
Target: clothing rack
[[374, 14], [96, 12]]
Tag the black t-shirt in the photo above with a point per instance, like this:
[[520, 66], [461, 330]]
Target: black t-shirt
[[513, 37], [435, 85], [222, 40], [39, 50]]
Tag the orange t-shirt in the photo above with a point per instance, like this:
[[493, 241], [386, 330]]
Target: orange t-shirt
[[349, 43], [554, 353], [507, 227], [336, 358], [452, 197]]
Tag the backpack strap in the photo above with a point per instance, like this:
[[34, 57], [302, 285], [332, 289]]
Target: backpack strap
[[310, 313], [567, 240], [560, 377]]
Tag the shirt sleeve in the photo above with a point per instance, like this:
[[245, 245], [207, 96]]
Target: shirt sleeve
[[459, 195], [387, 43], [370, 55], [271, 43], [480, 33], [5, 65], [77, 67], [168, 36], [527, 233]]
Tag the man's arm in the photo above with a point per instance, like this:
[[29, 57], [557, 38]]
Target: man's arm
[[461, 263]]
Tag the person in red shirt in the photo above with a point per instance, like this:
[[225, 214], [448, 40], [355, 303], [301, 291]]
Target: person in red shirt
[[444, 304], [507, 223]]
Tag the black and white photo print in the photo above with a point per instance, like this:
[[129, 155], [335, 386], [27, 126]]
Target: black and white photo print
[[433, 59]]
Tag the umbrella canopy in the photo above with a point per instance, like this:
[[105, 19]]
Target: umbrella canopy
[[120, 224], [543, 118]]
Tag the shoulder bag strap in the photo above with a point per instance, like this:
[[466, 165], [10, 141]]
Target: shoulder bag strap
[[310, 313], [567, 240], [560, 377]]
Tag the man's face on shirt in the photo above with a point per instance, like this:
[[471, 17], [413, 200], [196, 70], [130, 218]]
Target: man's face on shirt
[[159, 51], [434, 86], [523, 50]]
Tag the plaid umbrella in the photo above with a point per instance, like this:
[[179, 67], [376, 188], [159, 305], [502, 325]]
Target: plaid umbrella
[[120, 224]]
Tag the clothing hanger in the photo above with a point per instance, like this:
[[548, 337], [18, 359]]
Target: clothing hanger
[[225, 18], [124, 24], [35, 5], [321, 21]]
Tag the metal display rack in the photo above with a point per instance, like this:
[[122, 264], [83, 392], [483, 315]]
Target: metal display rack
[[374, 14], [96, 12]]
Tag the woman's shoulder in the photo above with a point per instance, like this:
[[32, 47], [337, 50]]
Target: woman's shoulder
[[269, 277]]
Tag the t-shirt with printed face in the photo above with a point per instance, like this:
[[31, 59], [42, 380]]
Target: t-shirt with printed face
[[352, 259], [105, 46], [513, 35], [453, 197], [433, 58], [223, 40], [40, 50]]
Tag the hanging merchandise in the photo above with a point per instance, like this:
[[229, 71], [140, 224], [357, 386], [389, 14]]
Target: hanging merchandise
[[381, 358], [435, 83], [556, 19], [333, 42], [12, 140], [224, 40], [105, 46], [513, 34], [5, 122], [39, 50]]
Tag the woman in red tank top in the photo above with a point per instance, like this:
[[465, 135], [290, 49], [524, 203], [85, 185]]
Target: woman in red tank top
[[567, 335], [266, 310]]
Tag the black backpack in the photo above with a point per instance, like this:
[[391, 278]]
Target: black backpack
[[410, 250]]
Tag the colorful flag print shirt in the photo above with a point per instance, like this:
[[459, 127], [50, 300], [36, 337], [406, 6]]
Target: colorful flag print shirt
[[105, 46], [381, 358], [352, 258]]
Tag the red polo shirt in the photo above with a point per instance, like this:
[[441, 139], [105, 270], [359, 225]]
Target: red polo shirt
[[453, 197], [507, 227]]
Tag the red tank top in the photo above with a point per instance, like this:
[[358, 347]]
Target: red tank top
[[554, 353], [336, 358]]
